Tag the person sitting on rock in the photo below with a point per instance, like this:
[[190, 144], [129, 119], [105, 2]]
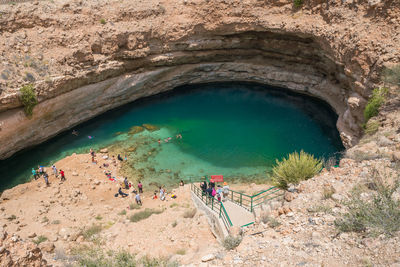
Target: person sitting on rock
[[119, 157], [122, 193]]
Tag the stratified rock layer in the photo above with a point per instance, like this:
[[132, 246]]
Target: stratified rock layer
[[86, 58]]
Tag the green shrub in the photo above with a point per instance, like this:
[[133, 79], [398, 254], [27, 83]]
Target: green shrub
[[371, 127], [374, 103], [181, 251], [28, 98], [271, 221], [56, 222], [134, 206], [174, 224], [392, 75], [91, 231], [40, 239], [295, 168], [298, 3], [98, 217], [122, 212], [231, 242], [189, 213], [144, 214], [103, 21], [379, 215]]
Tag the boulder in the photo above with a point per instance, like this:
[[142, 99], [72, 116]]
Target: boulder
[[47, 246], [104, 150], [208, 257]]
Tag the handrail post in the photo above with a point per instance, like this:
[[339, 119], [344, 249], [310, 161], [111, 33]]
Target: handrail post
[[212, 204], [241, 199], [251, 205], [232, 196]]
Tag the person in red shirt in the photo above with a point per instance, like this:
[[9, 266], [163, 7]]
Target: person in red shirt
[[62, 175]]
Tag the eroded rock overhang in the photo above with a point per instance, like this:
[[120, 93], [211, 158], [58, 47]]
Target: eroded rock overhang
[[299, 62]]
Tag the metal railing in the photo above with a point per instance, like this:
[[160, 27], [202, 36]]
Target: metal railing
[[250, 202], [213, 204]]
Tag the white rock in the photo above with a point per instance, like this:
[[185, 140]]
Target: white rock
[[208, 257]]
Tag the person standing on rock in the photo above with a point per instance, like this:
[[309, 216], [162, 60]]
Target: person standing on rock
[[34, 173], [62, 175], [55, 170], [140, 187], [138, 200], [46, 178], [126, 183], [92, 155]]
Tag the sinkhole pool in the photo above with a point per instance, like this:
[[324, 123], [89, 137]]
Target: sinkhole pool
[[234, 129]]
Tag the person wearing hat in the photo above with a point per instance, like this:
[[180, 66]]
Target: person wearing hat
[[225, 190]]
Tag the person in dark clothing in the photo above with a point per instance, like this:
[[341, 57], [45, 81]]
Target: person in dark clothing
[[203, 186], [122, 193], [46, 178], [126, 183], [119, 157], [211, 184], [209, 191]]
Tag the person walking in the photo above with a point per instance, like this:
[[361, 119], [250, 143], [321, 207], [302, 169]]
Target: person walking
[[55, 170], [140, 187], [62, 175]]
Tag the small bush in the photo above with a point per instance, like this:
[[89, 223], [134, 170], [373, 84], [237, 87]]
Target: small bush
[[98, 217], [134, 206], [56, 222], [122, 212], [297, 167], [374, 103], [141, 215], [371, 127], [231, 242], [392, 75], [328, 192], [297, 3], [28, 98], [173, 205], [181, 251], [174, 224], [271, 221], [103, 21], [12, 217], [89, 233], [320, 209], [45, 219], [189, 213], [40, 239], [379, 215]]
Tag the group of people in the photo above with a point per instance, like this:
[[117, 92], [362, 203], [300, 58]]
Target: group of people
[[128, 186], [219, 192], [166, 140], [40, 171]]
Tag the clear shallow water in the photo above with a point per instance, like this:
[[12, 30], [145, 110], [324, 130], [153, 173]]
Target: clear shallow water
[[233, 129]]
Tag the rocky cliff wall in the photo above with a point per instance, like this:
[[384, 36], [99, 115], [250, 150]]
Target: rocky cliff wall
[[91, 57]]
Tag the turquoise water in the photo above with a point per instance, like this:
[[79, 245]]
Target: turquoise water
[[233, 129]]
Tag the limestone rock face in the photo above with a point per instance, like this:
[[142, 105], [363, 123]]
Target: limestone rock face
[[81, 67]]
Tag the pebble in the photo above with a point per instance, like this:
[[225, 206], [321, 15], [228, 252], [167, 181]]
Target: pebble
[[208, 257]]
